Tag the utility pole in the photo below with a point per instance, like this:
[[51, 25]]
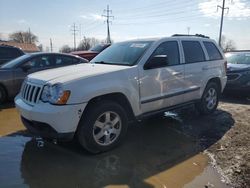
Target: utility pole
[[74, 30], [29, 36], [51, 46], [188, 30], [80, 32], [222, 17], [107, 16]]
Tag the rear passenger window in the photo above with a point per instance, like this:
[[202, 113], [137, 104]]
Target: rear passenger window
[[193, 51], [212, 50], [65, 60], [170, 49]]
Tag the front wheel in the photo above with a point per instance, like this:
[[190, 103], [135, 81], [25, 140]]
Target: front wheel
[[102, 127], [210, 99]]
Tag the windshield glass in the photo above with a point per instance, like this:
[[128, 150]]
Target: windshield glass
[[238, 58], [13, 63], [97, 48], [124, 53]]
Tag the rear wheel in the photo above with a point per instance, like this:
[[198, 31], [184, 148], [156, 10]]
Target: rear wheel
[[210, 99], [3, 95], [102, 127]]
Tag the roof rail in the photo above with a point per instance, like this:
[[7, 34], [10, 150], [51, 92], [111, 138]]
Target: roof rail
[[185, 35]]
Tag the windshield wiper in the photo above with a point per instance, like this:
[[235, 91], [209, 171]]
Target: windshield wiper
[[101, 62]]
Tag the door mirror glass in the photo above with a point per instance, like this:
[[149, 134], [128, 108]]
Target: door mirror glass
[[157, 62]]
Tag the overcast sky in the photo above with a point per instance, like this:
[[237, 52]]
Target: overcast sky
[[132, 19]]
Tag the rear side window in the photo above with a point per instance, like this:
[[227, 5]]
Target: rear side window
[[193, 51], [212, 50], [65, 60]]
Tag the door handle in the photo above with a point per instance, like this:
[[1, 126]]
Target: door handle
[[176, 73]]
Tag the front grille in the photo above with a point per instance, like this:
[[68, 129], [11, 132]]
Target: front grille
[[30, 93], [231, 77]]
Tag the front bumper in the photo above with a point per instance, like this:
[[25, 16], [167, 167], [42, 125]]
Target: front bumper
[[48, 120]]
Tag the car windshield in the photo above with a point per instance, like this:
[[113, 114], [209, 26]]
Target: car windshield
[[97, 48], [124, 53], [238, 58], [13, 63]]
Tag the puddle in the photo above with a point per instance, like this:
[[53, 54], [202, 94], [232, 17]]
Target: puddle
[[156, 153], [9, 121]]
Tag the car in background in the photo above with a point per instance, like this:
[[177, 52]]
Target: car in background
[[238, 72], [14, 72], [8, 53], [92, 52]]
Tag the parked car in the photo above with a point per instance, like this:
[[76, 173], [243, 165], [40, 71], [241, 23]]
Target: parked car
[[8, 53], [128, 81], [14, 72], [92, 52], [238, 72]]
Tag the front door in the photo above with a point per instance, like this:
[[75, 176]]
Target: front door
[[162, 87]]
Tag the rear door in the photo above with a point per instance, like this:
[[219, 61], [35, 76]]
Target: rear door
[[195, 68], [161, 87]]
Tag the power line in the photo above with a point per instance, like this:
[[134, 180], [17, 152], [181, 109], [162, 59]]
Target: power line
[[222, 16], [107, 16]]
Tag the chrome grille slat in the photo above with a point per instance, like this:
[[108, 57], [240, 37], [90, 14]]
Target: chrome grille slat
[[31, 93], [27, 91], [33, 96]]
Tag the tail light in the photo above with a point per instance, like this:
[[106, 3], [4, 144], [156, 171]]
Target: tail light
[[225, 65]]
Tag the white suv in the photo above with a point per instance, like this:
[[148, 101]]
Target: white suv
[[128, 81]]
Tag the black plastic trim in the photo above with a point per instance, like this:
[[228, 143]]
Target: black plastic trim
[[169, 95]]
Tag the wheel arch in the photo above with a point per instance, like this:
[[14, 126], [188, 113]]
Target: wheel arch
[[217, 81], [117, 97]]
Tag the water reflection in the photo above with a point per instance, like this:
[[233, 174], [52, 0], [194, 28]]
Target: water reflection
[[150, 148]]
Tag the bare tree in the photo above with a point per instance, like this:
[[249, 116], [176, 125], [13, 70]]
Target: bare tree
[[227, 44], [87, 43], [40, 46], [23, 37], [65, 49]]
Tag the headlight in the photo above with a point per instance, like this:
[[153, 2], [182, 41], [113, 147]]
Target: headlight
[[55, 94]]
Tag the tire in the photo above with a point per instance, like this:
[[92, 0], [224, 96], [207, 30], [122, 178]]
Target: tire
[[3, 95], [210, 99], [102, 127]]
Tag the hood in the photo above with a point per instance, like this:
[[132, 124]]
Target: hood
[[74, 72], [237, 67]]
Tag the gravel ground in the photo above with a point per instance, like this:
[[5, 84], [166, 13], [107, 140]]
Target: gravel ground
[[232, 151]]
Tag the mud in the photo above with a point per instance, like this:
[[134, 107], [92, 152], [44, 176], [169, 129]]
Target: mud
[[161, 152]]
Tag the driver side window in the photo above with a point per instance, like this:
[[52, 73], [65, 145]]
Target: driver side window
[[170, 49]]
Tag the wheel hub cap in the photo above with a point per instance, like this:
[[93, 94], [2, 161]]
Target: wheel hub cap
[[107, 128]]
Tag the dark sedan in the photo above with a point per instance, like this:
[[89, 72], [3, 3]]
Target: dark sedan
[[238, 72], [14, 72]]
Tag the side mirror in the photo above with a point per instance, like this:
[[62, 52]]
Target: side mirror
[[26, 67], [157, 62]]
